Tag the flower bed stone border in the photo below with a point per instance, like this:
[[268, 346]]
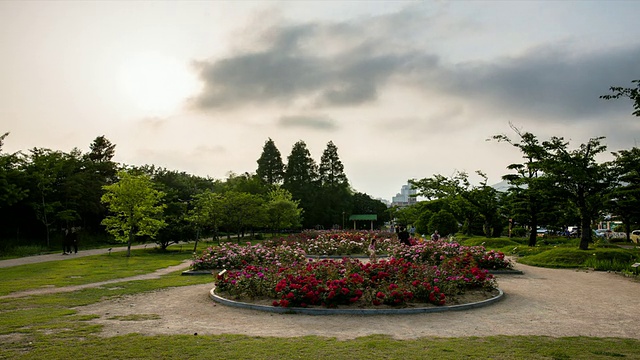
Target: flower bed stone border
[[326, 311]]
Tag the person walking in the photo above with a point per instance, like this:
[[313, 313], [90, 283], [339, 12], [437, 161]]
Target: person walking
[[372, 251], [74, 240], [403, 236]]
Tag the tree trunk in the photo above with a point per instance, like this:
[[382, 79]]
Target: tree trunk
[[585, 239], [533, 234], [129, 243], [195, 246], [46, 222]]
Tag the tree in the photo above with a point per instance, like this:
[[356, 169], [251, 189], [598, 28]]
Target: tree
[[207, 213], [282, 211], [241, 210], [624, 199], [45, 171], [631, 93], [579, 178], [301, 180], [334, 187], [248, 183], [444, 222], [179, 189], [10, 190], [362, 203], [270, 166], [485, 200], [102, 150], [527, 190], [331, 170], [456, 190], [135, 207]]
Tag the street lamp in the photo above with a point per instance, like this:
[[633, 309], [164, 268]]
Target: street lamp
[[343, 220]]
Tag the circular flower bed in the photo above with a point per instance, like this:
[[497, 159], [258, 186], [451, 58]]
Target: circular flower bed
[[428, 272]]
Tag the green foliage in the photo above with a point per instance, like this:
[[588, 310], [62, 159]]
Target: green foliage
[[630, 93], [270, 166], [242, 210], [444, 222], [282, 211], [576, 258], [493, 243], [135, 207], [577, 177]]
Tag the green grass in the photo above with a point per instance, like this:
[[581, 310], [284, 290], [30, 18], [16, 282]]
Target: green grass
[[563, 257], [370, 347], [491, 243], [48, 326], [89, 269]]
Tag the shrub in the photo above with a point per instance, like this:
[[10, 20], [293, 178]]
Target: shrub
[[444, 222]]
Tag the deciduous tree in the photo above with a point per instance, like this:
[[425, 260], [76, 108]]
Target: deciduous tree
[[631, 93], [579, 178], [135, 207]]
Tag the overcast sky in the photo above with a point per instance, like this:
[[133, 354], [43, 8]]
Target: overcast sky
[[403, 89]]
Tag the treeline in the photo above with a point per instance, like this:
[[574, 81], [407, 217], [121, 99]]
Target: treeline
[[44, 191], [553, 187]]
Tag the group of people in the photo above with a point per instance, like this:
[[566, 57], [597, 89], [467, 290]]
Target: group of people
[[70, 241], [403, 235]]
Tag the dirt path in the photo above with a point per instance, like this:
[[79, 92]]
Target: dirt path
[[547, 302]]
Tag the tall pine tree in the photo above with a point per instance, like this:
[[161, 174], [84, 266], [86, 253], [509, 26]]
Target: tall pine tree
[[331, 171], [300, 179], [270, 166], [334, 187]]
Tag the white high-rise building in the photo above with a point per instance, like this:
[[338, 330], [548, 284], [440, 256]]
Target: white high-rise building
[[404, 198]]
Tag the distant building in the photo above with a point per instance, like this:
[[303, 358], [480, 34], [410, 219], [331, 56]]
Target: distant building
[[404, 197]]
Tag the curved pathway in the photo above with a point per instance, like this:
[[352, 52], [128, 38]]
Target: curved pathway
[[548, 302]]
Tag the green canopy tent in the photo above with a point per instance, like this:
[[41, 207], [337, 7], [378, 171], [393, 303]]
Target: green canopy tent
[[363, 217]]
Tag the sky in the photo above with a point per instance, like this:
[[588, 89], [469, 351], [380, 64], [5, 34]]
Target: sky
[[404, 89]]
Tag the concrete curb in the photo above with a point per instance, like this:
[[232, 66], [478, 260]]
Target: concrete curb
[[325, 311], [198, 272], [493, 272]]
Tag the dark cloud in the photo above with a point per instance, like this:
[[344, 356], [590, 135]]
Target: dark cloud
[[328, 65], [547, 83], [317, 122]]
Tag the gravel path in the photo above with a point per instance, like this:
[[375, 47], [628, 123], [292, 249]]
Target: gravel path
[[543, 301]]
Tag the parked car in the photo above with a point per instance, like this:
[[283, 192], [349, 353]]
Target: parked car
[[635, 236], [603, 233], [542, 232]]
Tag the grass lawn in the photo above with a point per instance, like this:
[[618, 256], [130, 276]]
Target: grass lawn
[[47, 327]]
